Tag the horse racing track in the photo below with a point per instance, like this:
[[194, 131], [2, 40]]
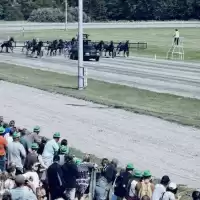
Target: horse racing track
[[155, 75]]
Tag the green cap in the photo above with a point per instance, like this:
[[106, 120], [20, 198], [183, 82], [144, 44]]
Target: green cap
[[36, 129], [129, 166], [146, 173], [34, 146], [16, 135], [138, 174], [56, 135], [63, 149], [77, 160], [2, 130]]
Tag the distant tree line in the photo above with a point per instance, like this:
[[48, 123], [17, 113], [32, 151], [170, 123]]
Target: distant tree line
[[53, 10]]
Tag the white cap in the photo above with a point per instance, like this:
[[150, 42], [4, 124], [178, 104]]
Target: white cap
[[172, 186]]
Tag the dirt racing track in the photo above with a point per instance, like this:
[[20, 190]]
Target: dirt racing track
[[180, 78]]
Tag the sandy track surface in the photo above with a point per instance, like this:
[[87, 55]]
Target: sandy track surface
[[180, 78], [150, 143]]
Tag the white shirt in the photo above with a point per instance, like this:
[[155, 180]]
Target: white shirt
[[8, 137], [168, 196], [176, 34], [35, 179], [132, 191], [158, 191], [49, 151]]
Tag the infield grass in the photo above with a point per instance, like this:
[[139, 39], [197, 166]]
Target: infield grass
[[159, 40]]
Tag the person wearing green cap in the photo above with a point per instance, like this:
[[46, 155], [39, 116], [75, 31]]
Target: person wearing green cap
[[131, 187], [3, 146], [146, 187], [16, 153], [33, 157], [63, 151], [51, 148], [122, 181]]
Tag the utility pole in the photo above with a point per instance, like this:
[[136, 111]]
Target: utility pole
[[66, 14], [80, 45]]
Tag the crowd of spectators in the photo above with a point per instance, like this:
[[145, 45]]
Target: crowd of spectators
[[34, 167]]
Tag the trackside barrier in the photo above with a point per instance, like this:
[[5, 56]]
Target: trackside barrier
[[92, 184]]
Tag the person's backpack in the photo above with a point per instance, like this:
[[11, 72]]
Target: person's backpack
[[161, 198], [145, 190]]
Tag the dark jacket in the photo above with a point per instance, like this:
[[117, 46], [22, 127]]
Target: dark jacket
[[31, 159], [55, 177], [121, 184], [109, 173], [70, 173]]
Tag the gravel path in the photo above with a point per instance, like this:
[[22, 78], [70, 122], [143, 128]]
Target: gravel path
[[148, 142]]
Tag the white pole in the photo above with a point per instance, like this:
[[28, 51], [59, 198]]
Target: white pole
[[66, 14], [80, 42]]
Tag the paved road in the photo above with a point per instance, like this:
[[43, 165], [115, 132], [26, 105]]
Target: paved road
[[158, 145], [17, 26], [179, 78]]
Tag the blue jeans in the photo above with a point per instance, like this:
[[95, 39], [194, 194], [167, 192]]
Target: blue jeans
[[3, 163], [102, 189]]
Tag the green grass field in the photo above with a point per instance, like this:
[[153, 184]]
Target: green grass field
[[158, 39]]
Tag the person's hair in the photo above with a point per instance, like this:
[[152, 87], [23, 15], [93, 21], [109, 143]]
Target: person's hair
[[165, 180], [196, 195], [174, 191], [104, 161], [145, 197], [86, 158], [64, 142], [7, 196], [5, 125], [56, 158], [68, 158]]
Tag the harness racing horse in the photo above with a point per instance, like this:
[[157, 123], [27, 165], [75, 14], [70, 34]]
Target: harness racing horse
[[52, 48], [8, 45], [38, 49], [60, 46], [110, 48], [100, 47], [123, 47], [67, 48]]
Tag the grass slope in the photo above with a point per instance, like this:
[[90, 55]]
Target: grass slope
[[170, 107], [159, 39]]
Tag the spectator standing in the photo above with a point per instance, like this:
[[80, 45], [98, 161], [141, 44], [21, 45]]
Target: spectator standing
[[33, 157], [64, 142], [51, 148], [25, 140], [121, 183], [104, 183], [3, 147], [83, 180], [70, 173], [176, 37], [35, 138], [131, 187], [16, 153], [146, 187], [1, 121], [55, 179], [160, 188], [21, 191], [63, 151], [170, 193]]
